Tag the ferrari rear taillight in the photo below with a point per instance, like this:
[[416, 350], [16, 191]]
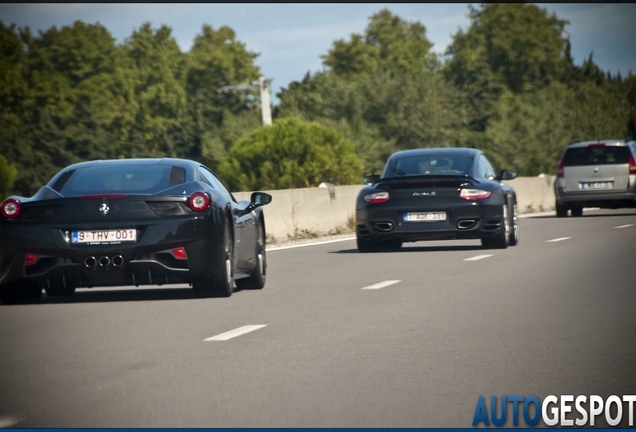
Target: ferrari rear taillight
[[10, 208], [560, 169], [474, 194], [632, 165], [199, 201], [30, 259], [179, 253], [376, 198]]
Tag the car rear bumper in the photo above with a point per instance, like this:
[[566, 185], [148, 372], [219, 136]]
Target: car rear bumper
[[465, 221], [148, 261], [604, 199]]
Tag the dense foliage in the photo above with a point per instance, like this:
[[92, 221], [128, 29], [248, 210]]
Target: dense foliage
[[507, 84]]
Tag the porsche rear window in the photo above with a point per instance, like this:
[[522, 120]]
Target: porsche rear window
[[597, 155], [432, 165], [126, 179]]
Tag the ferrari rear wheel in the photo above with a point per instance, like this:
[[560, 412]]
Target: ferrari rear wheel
[[224, 284], [18, 293], [257, 279], [499, 240]]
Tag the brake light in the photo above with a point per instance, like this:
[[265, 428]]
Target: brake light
[[10, 208], [376, 198], [474, 194], [632, 164], [199, 201], [30, 259], [560, 169], [179, 253]]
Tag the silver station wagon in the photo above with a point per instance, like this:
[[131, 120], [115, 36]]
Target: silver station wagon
[[596, 174]]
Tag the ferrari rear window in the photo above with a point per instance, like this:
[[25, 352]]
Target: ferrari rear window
[[126, 179], [596, 155]]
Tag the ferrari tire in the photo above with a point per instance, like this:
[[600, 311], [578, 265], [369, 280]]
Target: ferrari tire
[[223, 285], [499, 240], [256, 280], [19, 293]]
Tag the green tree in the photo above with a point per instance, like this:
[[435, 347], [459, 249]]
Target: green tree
[[290, 154], [389, 43], [8, 174]]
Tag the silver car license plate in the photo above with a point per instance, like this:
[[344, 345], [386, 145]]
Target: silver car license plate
[[597, 185]]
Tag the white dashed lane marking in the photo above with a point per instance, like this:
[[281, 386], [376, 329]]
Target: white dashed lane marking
[[477, 258], [558, 239], [381, 284], [234, 333], [624, 226]]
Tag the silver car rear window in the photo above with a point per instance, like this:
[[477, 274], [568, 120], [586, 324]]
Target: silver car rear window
[[596, 155]]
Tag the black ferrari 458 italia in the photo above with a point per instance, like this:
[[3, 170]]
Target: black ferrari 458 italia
[[131, 222], [436, 194]]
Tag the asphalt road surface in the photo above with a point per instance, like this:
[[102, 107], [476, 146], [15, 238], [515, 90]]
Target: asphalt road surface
[[339, 339]]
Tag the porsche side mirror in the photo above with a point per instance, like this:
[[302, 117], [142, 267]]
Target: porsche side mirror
[[371, 179], [507, 175]]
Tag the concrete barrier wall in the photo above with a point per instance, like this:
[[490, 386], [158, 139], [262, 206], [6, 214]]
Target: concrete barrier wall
[[310, 212]]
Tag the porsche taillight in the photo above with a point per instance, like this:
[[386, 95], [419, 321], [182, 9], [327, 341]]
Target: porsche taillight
[[199, 201], [474, 194], [376, 198], [10, 208]]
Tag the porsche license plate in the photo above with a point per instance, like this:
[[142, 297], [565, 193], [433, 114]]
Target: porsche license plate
[[425, 217], [104, 236]]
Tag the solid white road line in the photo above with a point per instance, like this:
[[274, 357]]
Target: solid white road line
[[234, 333], [624, 226], [381, 284], [558, 239], [477, 258], [275, 248]]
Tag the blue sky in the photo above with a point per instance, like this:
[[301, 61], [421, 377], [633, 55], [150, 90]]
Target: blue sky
[[290, 38]]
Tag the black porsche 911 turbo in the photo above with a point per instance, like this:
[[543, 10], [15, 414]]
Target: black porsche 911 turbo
[[131, 222], [436, 194]]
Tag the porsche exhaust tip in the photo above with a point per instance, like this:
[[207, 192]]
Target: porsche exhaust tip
[[383, 226], [466, 224], [117, 261], [104, 261], [90, 262]]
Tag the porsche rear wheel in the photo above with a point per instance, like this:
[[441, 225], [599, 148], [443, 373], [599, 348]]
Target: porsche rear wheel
[[499, 240], [368, 245], [257, 279]]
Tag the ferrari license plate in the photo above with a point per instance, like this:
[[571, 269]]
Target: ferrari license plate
[[104, 236], [597, 185], [425, 217]]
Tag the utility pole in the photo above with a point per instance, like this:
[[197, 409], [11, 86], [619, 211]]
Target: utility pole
[[263, 86]]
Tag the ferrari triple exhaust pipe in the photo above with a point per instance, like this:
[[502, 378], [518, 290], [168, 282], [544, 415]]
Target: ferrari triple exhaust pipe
[[91, 262]]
